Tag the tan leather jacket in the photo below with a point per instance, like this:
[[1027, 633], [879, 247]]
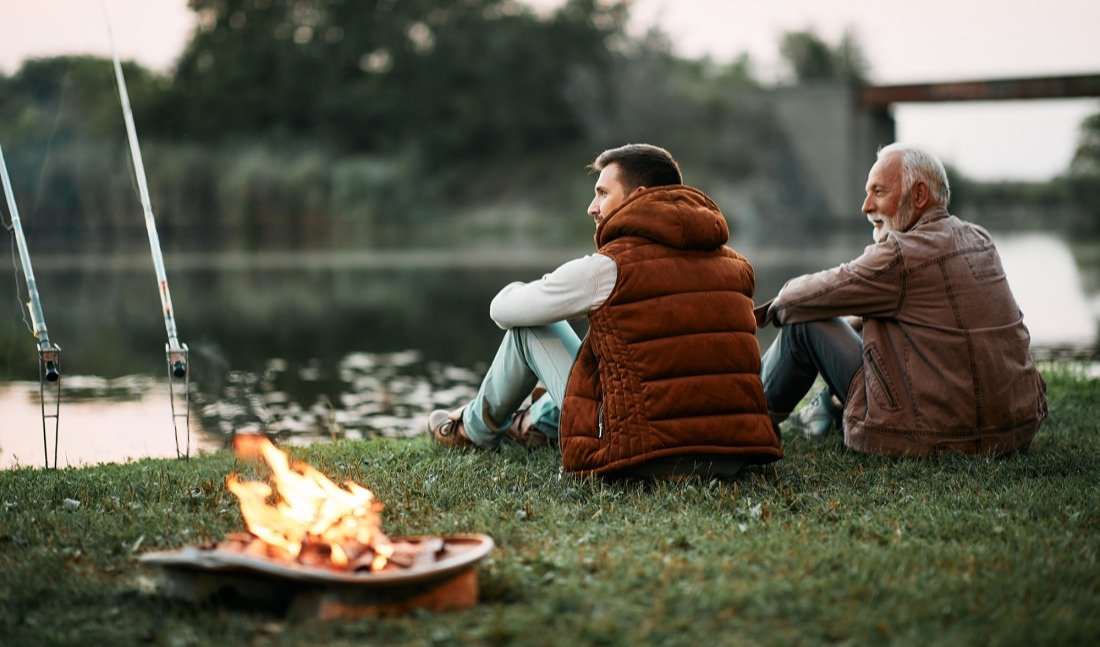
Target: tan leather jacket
[[946, 363]]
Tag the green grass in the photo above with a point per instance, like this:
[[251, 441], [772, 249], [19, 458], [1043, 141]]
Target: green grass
[[825, 547]]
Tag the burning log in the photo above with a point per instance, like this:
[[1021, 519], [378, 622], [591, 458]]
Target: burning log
[[406, 553], [319, 552], [313, 513]]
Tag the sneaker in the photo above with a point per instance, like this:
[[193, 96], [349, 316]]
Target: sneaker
[[818, 417], [446, 429], [523, 434]]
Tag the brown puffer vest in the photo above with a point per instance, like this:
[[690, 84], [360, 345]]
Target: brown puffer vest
[[671, 365]]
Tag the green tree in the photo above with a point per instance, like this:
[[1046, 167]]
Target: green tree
[[1084, 170], [812, 59], [456, 78], [66, 98], [1086, 159], [64, 138], [686, 105]]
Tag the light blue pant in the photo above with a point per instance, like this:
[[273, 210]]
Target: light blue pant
[[526, 357], [830, 348]]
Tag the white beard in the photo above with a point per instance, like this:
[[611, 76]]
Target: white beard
[[902, 219]]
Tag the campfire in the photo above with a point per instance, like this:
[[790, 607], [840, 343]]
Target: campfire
[[318, 549], [315, 522]]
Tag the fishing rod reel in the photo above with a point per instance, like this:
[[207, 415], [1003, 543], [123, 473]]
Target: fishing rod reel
[[47, 352], [179, 401], [51, 361], [177, 361], [49, 370]]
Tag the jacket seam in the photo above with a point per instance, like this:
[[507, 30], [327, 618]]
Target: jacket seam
[[975, 388]]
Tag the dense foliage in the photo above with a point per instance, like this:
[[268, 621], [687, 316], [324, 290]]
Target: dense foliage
[[457, 78], [812, 59], [295, 123], [1084, 172], [314, 123], [70, 98]]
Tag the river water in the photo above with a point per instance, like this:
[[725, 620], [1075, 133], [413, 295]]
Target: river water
[[311, 347]]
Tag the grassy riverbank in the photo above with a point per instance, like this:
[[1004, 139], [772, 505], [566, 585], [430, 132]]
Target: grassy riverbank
[[827, 546]]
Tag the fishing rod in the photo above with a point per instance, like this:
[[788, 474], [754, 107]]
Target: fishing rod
[[49, 368], [177, 352]]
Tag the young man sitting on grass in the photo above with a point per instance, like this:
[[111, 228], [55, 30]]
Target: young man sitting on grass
[[666, 383]]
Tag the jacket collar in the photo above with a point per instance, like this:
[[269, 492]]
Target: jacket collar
[[930, 215]]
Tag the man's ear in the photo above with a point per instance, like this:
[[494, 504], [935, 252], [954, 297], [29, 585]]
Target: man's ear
[[636, 189], [920, 195]]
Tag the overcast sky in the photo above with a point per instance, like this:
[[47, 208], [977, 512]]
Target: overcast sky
[[933, 40]]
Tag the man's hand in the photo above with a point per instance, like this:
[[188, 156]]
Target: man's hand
[[763, 314]]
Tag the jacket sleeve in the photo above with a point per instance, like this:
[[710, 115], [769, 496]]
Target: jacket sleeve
[[872, 285]]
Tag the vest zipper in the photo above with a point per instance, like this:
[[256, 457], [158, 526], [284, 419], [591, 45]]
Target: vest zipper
[[600, 419]]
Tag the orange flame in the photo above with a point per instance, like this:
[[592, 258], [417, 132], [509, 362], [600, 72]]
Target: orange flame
[[311, 509]]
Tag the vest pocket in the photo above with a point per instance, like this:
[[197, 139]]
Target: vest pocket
[[878, 380]]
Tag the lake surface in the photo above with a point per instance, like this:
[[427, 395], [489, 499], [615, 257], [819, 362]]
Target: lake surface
[[315, 347]]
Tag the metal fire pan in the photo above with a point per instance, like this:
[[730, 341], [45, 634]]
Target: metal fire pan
[[459, 553]]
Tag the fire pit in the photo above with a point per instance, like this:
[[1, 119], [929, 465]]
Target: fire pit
[[441, 578], [319, 553]]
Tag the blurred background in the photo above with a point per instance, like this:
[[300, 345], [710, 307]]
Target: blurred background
[[341, 187]]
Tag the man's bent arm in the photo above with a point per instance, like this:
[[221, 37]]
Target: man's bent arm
[[869, 286], [571, 291]]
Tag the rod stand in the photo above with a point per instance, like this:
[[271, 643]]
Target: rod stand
[[49, 370], [177, 372], [177, 361]]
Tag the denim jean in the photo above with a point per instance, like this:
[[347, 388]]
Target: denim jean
[[830, 348], [526, 357]]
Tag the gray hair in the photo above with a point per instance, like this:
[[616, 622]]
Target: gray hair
[[921, 165]]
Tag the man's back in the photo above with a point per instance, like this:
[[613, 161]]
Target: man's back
[[671, 365], [951, 369], [954, 269]]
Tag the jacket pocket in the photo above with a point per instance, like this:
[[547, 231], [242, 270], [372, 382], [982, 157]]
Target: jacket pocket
[[879, 383]]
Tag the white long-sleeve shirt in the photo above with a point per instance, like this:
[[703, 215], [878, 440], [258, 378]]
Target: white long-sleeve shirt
[[573, 290]]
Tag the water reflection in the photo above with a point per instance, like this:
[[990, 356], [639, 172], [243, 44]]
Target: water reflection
[[313, 348], [1050, 291], [100, 421], [387, 394]]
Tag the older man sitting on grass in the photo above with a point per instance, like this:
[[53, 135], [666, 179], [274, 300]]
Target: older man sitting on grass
[[943, 363]]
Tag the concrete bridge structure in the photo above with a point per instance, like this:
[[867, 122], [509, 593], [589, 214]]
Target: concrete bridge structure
[[835, 128]]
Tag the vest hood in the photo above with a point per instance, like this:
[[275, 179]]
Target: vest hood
[[678, 216]]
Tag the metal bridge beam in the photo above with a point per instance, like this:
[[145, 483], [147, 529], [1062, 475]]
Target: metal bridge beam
[[1051, 87]]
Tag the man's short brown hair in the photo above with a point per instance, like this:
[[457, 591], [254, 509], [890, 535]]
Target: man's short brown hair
[[640, 165]]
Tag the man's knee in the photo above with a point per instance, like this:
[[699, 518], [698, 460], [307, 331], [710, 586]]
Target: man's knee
[[798, 335], [830, 332]]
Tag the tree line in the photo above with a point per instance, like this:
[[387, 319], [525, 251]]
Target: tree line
[[457, 79], [320, 122]]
